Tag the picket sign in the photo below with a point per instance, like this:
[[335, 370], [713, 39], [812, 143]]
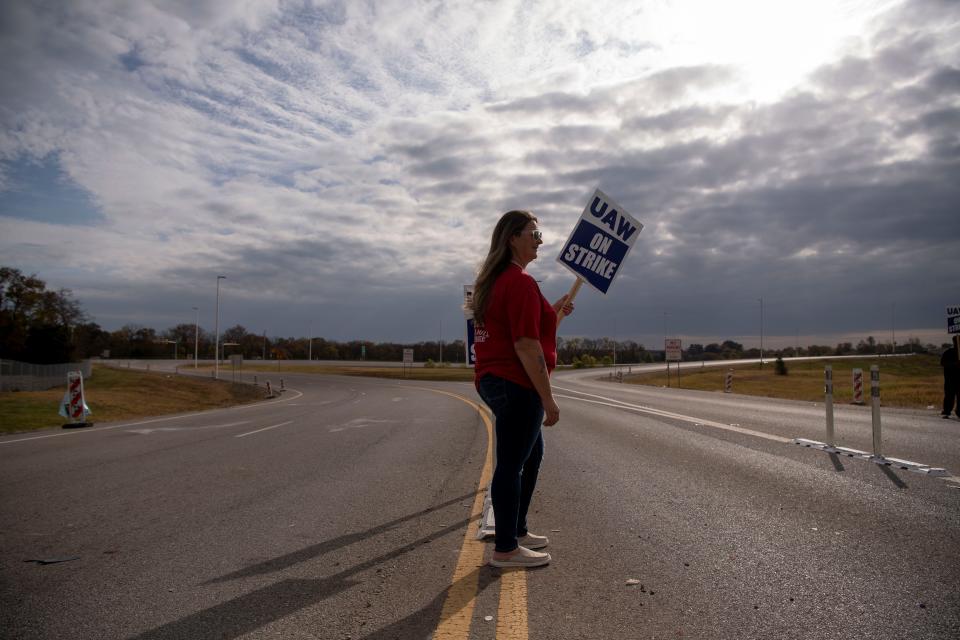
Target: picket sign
[[598, 244], [469, 343]]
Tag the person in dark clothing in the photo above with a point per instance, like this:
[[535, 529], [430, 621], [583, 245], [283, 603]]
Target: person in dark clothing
[[951, 381]]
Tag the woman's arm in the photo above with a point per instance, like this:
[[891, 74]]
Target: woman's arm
[[531, 357]]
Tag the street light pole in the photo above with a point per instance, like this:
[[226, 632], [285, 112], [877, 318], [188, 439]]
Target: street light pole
[[665, 336], [893, 327], [614, 344], [216, 340], [196, 336], [761, 332], [310, 344]]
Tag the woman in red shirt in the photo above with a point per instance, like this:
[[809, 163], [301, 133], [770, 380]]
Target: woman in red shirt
[[516, 349]]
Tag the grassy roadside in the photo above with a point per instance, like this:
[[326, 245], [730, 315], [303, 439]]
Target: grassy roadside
[[122, 394], [453, 373], [914, 381]]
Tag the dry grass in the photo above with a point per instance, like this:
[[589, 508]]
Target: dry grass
[[912, 381], [453, 373], [123, 394]]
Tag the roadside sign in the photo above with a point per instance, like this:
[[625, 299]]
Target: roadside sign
[[599, 242], [408, 356], [673, 349], [953, 319], [468, 300], [471, 349], [468, 313]]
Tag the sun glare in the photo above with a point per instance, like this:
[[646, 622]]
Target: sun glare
[[772, 45]]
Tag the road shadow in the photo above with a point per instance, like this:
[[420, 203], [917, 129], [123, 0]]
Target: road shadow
[[894, 478], [313, 551], [837, 465], [422, 623], [260, 607]]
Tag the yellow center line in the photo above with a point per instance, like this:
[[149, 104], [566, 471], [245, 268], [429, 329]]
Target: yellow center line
[[512, 611], [457, 612]]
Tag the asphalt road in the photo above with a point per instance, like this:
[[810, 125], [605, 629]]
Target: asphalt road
[[347, 508]]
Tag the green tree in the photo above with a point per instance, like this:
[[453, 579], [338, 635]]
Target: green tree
[[90, 341], [36, 324]]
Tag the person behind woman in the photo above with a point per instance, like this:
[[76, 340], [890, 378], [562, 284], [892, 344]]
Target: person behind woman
[[516, 349], [951, 381]]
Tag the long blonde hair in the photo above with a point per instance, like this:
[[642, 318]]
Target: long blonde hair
[[510, 224]]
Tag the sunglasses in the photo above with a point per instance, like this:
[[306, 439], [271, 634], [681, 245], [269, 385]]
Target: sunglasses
[[536, 233]]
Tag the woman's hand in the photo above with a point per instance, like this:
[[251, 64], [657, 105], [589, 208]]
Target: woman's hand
[[551, 413], [563, 305]]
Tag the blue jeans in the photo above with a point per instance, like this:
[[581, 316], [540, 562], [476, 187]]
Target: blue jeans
[[519, 414]]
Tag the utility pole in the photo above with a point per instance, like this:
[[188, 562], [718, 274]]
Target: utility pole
[[216, 340], [196, 337], [761, 332], [893, 326]]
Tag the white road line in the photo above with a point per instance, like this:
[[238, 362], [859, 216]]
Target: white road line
[[619, 404], [264, 429], [148, 431], [163, 419]]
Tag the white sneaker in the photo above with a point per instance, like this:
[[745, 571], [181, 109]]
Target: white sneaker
[[522, 557], [533, 541]]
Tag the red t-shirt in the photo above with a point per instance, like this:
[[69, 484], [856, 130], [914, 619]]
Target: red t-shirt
[[516, 309]]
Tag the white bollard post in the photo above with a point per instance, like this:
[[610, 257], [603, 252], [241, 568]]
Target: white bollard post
[[828, 401], [858, 386], [875, 397]]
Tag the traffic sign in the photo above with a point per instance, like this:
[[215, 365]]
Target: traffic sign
[[673, 349]]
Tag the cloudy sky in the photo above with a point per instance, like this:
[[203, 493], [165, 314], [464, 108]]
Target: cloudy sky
[[343, 163]]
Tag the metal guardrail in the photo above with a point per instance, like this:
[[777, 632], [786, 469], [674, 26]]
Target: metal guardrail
[[24, 376]]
